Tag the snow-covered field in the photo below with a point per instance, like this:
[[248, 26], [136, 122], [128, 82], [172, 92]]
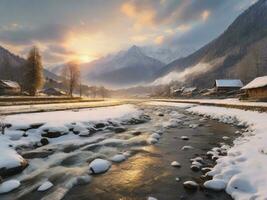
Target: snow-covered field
[[243, 172]]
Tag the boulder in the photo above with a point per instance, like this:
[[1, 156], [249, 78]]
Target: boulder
[[44, 141], [191, 185], [98, 166]]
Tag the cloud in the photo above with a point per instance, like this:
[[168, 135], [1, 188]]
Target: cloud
[[24, 35], [183, 27], [141, 15]]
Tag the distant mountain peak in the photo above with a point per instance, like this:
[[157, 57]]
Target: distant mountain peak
[[135, 50]]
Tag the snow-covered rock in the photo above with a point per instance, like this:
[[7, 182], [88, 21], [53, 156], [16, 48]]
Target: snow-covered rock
[[98, 166], [45, 186], [187, 147], [151, 140], [151, 198], [118, 158], [155, 135], [215, 184], [191, 185], [175, 164], [184, 138], [9, 186]]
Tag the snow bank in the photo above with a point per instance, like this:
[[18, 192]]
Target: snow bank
[[244, 169], [8, 186]]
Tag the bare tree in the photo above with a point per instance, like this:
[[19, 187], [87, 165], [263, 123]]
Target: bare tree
[[71, 76]]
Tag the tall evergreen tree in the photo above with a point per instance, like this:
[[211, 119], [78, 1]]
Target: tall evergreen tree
[[33, 79]]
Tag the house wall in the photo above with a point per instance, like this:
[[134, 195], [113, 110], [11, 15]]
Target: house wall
[[257, 93], [8, 91], [226, 89]]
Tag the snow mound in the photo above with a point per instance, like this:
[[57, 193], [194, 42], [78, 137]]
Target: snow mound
[[98, 166], [215, 184], [9, 186], [45, 186], [118, 158], [175, 164]]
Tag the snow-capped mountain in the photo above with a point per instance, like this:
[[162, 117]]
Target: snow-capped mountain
[[126, 68]]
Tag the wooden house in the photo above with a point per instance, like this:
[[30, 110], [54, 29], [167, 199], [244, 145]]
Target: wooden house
[[8, 87], [256, 89]]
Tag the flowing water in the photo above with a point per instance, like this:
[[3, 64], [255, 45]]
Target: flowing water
[[146, 172]]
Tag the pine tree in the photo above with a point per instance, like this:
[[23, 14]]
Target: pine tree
[[33, 79]]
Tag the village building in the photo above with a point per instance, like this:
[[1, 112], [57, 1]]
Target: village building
[[8, 87], [256, 89], [227, 85], [53, 92]]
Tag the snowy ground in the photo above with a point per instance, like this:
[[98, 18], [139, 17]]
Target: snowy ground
[[231, 101], [243, 172]]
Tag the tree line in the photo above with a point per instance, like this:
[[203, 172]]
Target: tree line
[[33, 77]]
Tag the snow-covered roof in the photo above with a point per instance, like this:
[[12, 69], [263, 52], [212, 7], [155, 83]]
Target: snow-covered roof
[[229, 83], [9, 84], [256, 83]]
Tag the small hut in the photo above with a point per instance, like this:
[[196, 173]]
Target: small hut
[[53, 92], [256, 89], [227, 85], [8, 87]]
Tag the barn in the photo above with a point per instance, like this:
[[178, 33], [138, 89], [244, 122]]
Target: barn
[[256, 89], [226, 85], [8, 87]]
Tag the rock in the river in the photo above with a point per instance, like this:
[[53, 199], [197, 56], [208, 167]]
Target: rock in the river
[[161, 114], [44, 141], [118, 158], [175, 164], [45, 186], [119, 129], [191, 185], [151, 140], [52, 134], [155, 135], [225, 138], [9, 186], [215, 184], [98, 166], [151, 198], [184, 138], [37, 153], [13, 165], [82, 180], [100, 125], [193, 125], [195, 168], [187, 147]]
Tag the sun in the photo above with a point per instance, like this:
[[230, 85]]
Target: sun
[[84, 58]]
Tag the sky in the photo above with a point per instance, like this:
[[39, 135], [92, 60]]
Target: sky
[[89, 29]]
